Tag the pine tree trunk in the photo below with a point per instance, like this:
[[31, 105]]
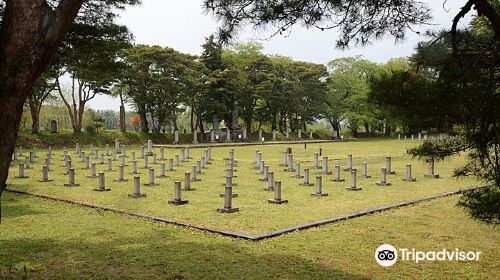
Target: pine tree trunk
[[30, 34]]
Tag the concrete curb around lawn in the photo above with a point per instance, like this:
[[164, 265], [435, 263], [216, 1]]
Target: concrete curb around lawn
[[254, 237]]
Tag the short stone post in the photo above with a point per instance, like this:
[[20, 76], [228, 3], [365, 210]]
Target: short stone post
[[290, 164], [319, 187], [124, 150], [228, 201], [337, 174], [198, 166], [163, 170], [183, 154], [154, 159], [45, 174], [27, 164], [120, 174], [71, 179], [110, 165], [297, 171], [102, 184], [135, 170], [150, 148], [145, 163], [87, 163], [162, 153], [277, 194], [177, 161], [187, 181], [151, 178], [383, 177], [187, 153], [137, 188], [21, 172], [229, 183], [107, 150], [354, 184], [270, 181], [101, 160], [264, 174], [274, 135], [364, 170], [193, 174], [93, 170], [299, 133], [142, 155], [117, 145], [431, 173], [67, 166], [388, 165], [306, 178], [170, 164], [409, 177], [325, 170], [122, 160], [177, 199], [349, 162], [261, 166], [316, 161]]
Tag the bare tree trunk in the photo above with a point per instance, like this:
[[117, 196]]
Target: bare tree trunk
[[141, 111], [191, 118], [123, 122], [35, 116]]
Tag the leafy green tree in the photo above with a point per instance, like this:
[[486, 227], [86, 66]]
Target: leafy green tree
[[252, 74], [90, 58], [156, 80], [42, 90], [456, 93], [219, 99], [347, 97]]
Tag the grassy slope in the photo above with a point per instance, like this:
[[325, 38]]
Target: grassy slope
[[48, 240], [256, 214]]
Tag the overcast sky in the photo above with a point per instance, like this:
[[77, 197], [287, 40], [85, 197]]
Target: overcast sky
[[183, 25]]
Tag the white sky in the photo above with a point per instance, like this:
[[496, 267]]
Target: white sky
[[182, 25]]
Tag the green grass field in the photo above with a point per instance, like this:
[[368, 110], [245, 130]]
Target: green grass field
[[42, 239], [256, 214]]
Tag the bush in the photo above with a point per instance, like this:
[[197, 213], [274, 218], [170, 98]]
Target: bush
[[483, 204]]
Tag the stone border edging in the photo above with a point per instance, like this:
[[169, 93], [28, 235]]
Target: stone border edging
[[253, 237]]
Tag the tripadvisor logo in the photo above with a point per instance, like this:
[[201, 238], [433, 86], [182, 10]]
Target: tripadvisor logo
[[387, 255]]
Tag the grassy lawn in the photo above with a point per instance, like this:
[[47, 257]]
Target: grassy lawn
[[42, 239], [256, 214]]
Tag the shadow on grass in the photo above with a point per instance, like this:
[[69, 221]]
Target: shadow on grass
[[12, 209], [68, 244]]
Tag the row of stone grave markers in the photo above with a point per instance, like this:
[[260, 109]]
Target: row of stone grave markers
[[288, 163], [201, 164], [267, 174], [421, 137], [214, 137], [384, 171]]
